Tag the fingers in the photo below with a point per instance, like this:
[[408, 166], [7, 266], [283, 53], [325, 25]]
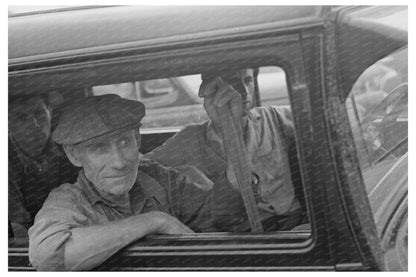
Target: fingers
[[208, 87], [225, 94], [177, 227], [183, 229], [168, 224], [218, 93]]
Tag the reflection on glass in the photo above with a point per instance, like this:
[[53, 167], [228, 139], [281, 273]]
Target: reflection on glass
[[377, 110]]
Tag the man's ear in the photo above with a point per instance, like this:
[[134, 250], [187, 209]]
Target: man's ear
[[138, 138], [72, 155]]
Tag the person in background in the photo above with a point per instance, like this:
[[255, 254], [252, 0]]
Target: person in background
[[36, 164]]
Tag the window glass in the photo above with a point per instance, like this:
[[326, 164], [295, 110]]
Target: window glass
[[170, 102], [174, 102], [272, 86], [377, 110]]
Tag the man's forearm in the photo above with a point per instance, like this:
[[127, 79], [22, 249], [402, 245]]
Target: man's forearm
[[90, 246]]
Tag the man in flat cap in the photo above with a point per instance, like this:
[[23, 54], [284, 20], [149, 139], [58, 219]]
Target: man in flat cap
[[117, 198]]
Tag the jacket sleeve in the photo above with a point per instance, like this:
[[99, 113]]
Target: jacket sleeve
[[52, 228], [285, 120]]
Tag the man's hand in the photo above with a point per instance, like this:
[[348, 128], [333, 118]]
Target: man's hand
[[167, 224], [217, 94]]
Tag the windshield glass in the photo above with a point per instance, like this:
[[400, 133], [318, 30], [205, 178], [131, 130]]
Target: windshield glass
[[377, 109]]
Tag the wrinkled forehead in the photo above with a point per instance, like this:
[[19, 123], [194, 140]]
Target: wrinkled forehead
[[28, 106]]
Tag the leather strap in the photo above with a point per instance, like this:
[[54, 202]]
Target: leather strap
[[233, 138]]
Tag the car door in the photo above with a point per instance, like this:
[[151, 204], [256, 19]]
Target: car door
[[304, 45], [366, 36]]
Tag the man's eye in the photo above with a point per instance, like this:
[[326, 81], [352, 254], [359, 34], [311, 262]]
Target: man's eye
[[248, 80], [125, 141], [98, 148]]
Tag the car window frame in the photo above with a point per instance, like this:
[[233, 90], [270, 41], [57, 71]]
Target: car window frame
[[233, 53]]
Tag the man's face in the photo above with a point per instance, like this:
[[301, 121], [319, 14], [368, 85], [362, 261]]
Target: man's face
[[31, 124], [243, 82], [110, 162]]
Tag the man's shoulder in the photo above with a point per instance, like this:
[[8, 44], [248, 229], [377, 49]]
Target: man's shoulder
[[146, 164], [171, 152], [192, 129], [152, 167], [66, 204], [155, 177], [65, 192], [277, 118], [280, 114]]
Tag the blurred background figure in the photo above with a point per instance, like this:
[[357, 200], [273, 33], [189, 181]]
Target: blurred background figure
[[36, 164]]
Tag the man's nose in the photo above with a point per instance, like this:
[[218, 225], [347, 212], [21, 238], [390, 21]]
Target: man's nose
[[36, 122], [241, 88], [117, 159]]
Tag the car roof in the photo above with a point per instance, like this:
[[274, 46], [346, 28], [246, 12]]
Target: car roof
[[368, 34], [82, 35], [48, 35], [74, 31]]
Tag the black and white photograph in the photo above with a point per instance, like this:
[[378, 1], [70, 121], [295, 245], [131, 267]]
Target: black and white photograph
[[207, 138]]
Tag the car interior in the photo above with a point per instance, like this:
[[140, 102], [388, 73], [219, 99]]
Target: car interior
[[173, 103]]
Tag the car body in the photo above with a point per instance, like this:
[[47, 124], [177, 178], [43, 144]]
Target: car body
[[354, 224]]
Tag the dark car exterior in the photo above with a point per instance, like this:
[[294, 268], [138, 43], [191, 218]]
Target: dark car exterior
[[323, 51]]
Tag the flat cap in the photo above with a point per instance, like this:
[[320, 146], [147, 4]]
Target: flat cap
[[94, 116]]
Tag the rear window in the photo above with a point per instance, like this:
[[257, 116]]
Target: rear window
[[172, 103]]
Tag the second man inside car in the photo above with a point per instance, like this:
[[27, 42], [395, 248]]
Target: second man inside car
[[268, 134]]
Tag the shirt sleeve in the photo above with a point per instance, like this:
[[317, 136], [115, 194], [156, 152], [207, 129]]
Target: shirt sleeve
[[285, 121], [218, 209], [52, 228]]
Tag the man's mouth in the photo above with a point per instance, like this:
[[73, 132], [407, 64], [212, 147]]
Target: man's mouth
[[247, 104], [118, 176]]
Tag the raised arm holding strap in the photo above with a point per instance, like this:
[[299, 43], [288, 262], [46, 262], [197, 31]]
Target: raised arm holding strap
[[233, 139]]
